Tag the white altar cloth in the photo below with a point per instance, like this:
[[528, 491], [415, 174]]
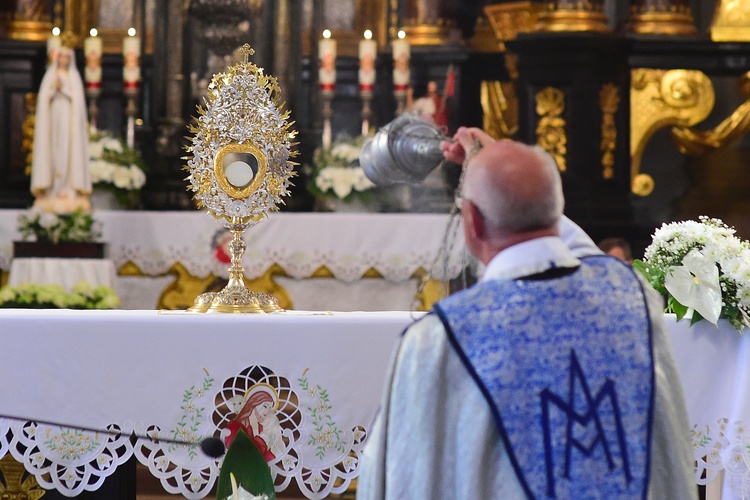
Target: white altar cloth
[[63, 272], [715, 374], [348, 244], [180, 375]]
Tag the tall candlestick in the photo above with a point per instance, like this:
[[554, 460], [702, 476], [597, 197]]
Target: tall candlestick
[[401, 70], [131, 53], [327, 81], [368, 51], [54, 43], [92, 49], [131, 77]]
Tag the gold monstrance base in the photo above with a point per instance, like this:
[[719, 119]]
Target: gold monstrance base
[[236, 297]]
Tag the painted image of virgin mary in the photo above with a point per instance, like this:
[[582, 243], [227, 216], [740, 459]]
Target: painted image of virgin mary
[[258, 419]]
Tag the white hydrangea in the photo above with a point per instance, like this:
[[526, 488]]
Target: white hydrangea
[[715, 241], [126, 177], [121, 178], [137, 177]]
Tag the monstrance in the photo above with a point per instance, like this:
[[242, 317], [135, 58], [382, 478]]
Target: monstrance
[[240, 169]]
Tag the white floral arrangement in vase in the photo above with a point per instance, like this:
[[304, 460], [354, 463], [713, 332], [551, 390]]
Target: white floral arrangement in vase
[[702, 269], [48, 226], [336, 171], [116, 167]]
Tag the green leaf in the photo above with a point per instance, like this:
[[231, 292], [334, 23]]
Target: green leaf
[[696, 318], [250, 469], [676, 307]]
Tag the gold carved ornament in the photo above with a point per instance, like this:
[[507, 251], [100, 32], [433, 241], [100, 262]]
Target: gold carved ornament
[[499, 108], [27, 130], [663, 98], [240, 169], [609, 100], [699, 142], [585, 16], [550, 129], [14, 485], [655, 18], [731, 21]]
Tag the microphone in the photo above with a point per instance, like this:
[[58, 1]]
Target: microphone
[[210, 446]]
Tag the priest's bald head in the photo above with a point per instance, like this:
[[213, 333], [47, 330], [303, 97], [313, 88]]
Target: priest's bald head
[[511, 193]]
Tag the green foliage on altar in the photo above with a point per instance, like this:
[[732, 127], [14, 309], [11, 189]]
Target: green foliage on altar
[[81, 296]]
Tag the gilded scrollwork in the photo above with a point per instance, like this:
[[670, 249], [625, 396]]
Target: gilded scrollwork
[[699, 142], [609, 100], [550, 129], [663, 98]]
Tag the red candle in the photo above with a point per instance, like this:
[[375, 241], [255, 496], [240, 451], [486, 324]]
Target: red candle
[[92, 49], [327, 67], [368, 51], [401, 56], [131, 53]]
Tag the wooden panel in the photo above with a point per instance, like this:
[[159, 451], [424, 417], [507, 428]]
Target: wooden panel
[[21, 69]]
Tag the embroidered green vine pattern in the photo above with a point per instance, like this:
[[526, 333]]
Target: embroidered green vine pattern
[[326, 434], [192, 416], [72, 444], [702, 439]]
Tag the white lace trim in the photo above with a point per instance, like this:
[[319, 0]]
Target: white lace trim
[[723, 446], [317, 454]]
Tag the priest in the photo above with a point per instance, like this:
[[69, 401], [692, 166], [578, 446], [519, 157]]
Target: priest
[[551, 378]]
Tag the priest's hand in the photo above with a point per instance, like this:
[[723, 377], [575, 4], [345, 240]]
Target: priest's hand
[[465, 141]]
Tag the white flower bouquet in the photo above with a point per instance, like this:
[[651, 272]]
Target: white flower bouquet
[[116, 167], [702, 269], [76, 226], [336, 171]]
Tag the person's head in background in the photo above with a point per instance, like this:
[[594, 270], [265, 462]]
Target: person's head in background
[[617, 247]]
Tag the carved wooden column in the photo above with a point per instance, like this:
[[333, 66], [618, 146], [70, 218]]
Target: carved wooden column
[[661, 17], [573, 93]]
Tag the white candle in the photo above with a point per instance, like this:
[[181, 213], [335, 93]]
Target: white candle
[[54, 43], [368, 52], [92, 49], [401, 56], [327, 56], [131, 53]]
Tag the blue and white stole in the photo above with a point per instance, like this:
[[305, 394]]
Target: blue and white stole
[[566, 366]]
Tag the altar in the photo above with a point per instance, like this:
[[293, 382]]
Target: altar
[[309, 261], [181, 376]]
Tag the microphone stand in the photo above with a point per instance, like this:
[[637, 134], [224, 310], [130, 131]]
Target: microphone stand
[[211, 446]]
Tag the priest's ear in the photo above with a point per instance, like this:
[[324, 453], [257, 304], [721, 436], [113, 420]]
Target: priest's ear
[[475, 230]]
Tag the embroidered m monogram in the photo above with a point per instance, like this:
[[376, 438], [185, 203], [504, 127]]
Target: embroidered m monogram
[[607, 393]]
